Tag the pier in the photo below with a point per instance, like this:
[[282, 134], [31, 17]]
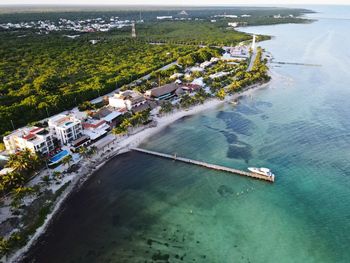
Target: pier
[[296, 64], [207, 165]]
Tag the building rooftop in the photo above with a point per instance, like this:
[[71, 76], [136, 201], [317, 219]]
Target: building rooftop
[[131, 95], [63, 121], [112, 116], [101, 113], [93, 123], [160, 91]]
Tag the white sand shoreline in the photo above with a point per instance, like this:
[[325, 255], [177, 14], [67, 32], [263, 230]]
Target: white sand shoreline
[[89, 167]]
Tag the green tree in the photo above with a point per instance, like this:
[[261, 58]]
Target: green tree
[[67, 160], [46, 180], [83, 151], [166, 107], [56, 174], [221, 94]]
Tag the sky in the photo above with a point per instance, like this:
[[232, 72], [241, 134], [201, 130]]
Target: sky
[[175, 2]]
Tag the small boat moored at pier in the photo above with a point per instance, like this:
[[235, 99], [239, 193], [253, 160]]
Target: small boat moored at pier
[[262, 171]]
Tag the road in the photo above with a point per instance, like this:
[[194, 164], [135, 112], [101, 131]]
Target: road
[[252, 60], [99, 99]]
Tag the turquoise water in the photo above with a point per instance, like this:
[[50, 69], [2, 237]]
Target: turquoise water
[[140, 208]]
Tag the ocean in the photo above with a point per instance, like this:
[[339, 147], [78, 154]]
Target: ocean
[[140, 208]]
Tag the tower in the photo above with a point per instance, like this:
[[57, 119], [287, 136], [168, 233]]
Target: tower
[[253, 42], [133, 30]]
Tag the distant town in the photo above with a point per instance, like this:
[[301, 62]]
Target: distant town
[[114, 22]]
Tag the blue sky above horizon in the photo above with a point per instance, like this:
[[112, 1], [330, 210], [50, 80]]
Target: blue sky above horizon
[[177, 2]]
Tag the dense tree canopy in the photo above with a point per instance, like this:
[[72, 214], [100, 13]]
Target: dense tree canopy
[[47, 74]]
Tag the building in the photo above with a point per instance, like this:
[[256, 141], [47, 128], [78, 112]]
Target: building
[[196, 69], [66, 128], [189, 87], [206, 64], [218, 75], [176, 76], [95, 129], [164, 17], [236, 53], [233, 24], [126, 100], [109, 115], [162, 93], [36, 139]]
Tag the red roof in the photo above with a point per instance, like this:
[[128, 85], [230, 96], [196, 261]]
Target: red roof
[[35, 130], [29, 136], [87, 125]]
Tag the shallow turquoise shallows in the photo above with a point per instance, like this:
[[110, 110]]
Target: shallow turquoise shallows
[[140, 208]]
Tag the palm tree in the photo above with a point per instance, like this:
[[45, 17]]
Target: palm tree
[[25, 161], [83, 151], [67, 160], [21, 192], [46, 180], [91, 151], [56, 174], [16, 163]]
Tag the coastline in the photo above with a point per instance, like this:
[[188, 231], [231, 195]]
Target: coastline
[[90, 166]]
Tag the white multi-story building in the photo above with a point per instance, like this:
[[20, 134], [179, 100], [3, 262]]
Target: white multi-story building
[[36, 139], [126, 100], [66, 128]]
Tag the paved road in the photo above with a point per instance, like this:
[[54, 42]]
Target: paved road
[[99, 99], [252, 60]]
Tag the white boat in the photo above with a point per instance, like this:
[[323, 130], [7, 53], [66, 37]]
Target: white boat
[[262, 171]]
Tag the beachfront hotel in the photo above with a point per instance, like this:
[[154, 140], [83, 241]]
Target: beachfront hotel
[[126, 100], [66, 128], [164, 92], [35, 139]]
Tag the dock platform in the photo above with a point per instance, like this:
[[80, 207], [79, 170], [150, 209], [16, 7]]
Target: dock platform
[[207, 165]]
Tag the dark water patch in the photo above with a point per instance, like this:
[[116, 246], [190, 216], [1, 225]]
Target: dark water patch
[[246, 110], [263, 104], [236, 122], [243, 152], [264, 117], [230, 136], [159, 256], [225, 190], [116, 220]]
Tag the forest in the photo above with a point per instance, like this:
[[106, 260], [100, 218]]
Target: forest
[[47, 74], [185, 32]]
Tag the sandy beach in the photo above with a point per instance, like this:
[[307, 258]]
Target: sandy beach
[[119, 146]]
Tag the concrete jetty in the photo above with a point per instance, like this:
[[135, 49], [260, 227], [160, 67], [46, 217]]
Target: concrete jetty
[[207, 165]]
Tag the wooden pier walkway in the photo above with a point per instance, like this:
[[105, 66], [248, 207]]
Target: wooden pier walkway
[[296, 63], [207, 165]]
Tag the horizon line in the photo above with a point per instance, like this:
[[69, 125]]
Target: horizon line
[[177, 5]]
